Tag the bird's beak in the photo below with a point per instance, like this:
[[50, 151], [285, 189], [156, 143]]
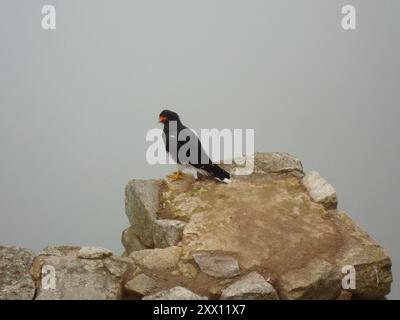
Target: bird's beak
[[163, 119]]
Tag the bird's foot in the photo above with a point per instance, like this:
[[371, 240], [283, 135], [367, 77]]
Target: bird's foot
[[177, 175]]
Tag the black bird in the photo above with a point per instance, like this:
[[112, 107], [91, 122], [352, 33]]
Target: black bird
[[188, 153]]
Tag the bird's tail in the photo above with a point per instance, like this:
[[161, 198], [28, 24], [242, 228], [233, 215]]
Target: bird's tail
[[218, 173]]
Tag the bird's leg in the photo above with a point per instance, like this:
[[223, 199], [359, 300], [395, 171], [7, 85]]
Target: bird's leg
[[177, 175]]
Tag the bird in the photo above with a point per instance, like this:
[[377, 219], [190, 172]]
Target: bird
[[185, 148]]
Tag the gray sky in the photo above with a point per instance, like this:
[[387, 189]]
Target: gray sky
[[76, 103]]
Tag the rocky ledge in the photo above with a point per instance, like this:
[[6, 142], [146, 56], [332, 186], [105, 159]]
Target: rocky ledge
[[274, 234]]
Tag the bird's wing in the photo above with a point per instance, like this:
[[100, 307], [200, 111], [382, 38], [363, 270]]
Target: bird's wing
[[203, 161], [192, 150], [187, 149]]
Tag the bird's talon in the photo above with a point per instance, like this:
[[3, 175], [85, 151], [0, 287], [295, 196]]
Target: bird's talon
[[176, 175]]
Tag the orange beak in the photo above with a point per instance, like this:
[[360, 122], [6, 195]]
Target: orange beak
[[163, 118]]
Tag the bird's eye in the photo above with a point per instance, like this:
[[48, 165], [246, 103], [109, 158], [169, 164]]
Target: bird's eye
[[163, 118]]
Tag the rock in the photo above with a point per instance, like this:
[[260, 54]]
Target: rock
[[187, 270], [131, 241], [141, 206], [54, 251], [141, 285], [264, 221], [320, 190], [93, 253], [372, 264], [277, 162], [157, 259], [167, 233], [267, 163], [71, 278], [217, 265], [176, 293], [251, 287], [345, 295], [15, 280], [117, 266], [318, 280]]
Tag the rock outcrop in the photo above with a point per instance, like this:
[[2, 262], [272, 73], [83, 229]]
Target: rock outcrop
[[15, 280], [71, 273], [273, 234], [278, 223]]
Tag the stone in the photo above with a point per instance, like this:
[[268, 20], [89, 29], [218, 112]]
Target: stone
[[345, 295], [277, 162], [54, 251], [70, 278], [131, 241], [141, 206], [16, 282], [320, 190], [318, 280], [251, 287], [93, 253], [157, 259], [266, 163], [167, 233], [118, 266], [176, 293], [217, 265], [141, 285], [370, 261]]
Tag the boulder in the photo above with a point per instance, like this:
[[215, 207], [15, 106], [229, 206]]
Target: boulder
[[141, 206], [176, 293], [15, 280], [320, 190], [68, 277], [251, 287]]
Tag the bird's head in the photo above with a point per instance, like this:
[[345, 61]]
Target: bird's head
[[167, 115]]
